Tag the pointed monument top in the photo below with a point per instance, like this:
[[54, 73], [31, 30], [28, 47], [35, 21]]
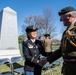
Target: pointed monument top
[[9, 9]]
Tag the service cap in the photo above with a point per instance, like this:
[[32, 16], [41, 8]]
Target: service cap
[[31, 28]]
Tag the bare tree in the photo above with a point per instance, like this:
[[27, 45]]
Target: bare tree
[[49, 22], [45, 23], [35, 20]]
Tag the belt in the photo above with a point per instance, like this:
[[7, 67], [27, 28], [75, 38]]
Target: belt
[[70, 61]]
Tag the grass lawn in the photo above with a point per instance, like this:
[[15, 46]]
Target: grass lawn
[[54, 71]]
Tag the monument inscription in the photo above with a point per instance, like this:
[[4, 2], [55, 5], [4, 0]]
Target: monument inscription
[[8, 29]]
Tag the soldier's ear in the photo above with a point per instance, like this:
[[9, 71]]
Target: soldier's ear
[[69, 16]]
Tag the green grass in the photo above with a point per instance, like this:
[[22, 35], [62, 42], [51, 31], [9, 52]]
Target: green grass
[[55, 47], [4, 68]]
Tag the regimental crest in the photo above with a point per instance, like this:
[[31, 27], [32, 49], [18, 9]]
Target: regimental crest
[[34, 28]]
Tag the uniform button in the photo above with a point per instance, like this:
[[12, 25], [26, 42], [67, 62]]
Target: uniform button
[[63, 54], [35, 55], [34, 47], [34, 51]]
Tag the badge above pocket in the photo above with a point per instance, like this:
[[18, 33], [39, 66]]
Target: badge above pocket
[[30, 45]]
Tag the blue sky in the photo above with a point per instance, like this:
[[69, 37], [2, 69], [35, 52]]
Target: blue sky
[[35, 7]]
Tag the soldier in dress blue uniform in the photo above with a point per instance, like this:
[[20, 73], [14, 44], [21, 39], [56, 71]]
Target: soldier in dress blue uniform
[[32, 48], [68, 43]]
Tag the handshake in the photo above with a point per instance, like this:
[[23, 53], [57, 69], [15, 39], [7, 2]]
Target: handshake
[[42, 62]]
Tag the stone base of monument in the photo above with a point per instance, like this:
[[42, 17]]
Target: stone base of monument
[[9, 53]]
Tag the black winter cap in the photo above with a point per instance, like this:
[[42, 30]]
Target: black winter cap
[[46, 34], [66, 10]]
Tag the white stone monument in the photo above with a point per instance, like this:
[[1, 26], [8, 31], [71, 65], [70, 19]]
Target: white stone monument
[[8, 33]]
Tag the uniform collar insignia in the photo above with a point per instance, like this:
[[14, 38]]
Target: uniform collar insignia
[[33, 40]]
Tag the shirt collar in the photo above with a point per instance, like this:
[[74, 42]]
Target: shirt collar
[[33, 40]]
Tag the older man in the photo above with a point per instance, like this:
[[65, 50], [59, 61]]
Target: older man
[[68, 43]]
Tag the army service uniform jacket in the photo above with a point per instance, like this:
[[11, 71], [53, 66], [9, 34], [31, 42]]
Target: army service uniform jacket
[[32, 51]]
